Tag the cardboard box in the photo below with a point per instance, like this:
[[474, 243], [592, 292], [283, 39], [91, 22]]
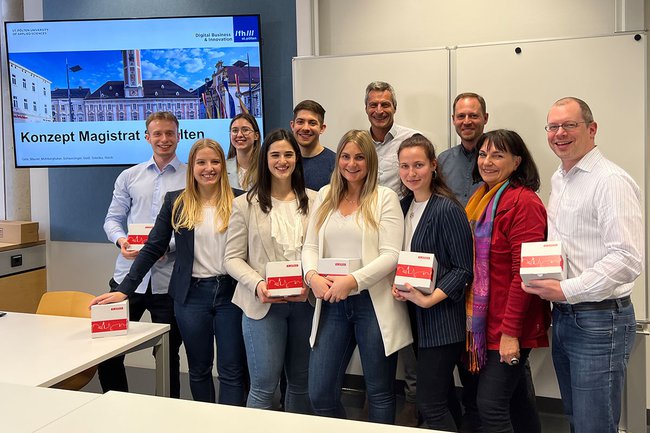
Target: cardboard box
[[109, 319], [338, 266], [138, 235], [417, 269], [542, 260], [18, 232], [284, 278]]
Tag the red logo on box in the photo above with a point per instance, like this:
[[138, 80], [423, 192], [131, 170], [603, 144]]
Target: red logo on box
[[414, 271], [542, 261], [284, 282], [137, 239], [110, 325]]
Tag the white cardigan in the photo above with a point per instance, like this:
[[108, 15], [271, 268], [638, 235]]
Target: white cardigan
[[379, 254]]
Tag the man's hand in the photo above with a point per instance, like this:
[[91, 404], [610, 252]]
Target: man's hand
[[124, 248], [549, 290]]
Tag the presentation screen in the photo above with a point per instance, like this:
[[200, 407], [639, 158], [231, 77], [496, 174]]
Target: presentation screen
[[81, 90]]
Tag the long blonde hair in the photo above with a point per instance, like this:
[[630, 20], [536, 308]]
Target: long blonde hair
[[339, 185], [187, 211]]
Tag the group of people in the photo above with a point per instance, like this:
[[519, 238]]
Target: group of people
[[220, 220]]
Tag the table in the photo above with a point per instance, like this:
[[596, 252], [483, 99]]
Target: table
[[134, 412], [39, 350], [27, 408]]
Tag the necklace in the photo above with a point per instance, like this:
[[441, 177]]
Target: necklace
[[354, 202]]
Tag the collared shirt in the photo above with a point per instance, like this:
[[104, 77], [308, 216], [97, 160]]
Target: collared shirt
[[387, 154], [456, 166], [595, 210], [137, 198]]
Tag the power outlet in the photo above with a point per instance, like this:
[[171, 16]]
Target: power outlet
[[16, 260]]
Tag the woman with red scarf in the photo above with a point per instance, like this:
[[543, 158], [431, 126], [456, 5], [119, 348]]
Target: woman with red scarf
[[503, 322]]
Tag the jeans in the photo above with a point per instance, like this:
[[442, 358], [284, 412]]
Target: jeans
[[208, 314], [279, 341], [112, 374], [435, 372], [590, 354], [505, 401], [342, 326]]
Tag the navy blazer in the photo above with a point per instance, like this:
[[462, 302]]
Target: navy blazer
[[156, 246], [444, 231]]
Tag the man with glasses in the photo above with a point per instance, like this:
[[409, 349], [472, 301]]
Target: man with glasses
[[595, 211], [137, 198], [307, 126], [457, 164]]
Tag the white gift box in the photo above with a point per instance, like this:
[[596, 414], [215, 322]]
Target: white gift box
[[541, 261], [138, 235], [284, 278], [417, 269], [337, 266], [109, 319]]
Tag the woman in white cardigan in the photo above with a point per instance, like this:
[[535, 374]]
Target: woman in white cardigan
[[267, 225], [355, 218]]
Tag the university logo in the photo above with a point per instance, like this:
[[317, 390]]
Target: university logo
[[245, 29]]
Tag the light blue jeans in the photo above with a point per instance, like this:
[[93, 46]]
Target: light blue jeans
[[342, 326], [279, 340], [590, 354]]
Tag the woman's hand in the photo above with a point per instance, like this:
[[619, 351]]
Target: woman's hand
[[302, 297], [319, 285], [340, 288], [398, 294], [108, 298], [509, 349], [263, 294], [418, 298]]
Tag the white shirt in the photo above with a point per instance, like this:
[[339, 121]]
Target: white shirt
[[209, 246], [286, 229], [595, 210], [387, 154], [413, 217]]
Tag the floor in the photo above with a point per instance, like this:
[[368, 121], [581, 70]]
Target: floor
[[142, 380]]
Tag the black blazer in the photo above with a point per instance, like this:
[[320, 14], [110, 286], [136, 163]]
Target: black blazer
[[156, 246], [444, 231]]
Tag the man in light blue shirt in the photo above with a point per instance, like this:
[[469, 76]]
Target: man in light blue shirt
[[137, 197]]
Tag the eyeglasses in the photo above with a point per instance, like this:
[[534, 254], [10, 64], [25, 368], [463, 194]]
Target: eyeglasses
[[244, 131], [567, 126]]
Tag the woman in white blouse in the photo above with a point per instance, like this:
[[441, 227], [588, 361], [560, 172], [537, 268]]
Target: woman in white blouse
[[267, 225], [355, 218]]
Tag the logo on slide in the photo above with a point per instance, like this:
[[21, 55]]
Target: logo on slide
[[245, 29]]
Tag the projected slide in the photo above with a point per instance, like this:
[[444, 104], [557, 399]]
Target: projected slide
[[81, 90]]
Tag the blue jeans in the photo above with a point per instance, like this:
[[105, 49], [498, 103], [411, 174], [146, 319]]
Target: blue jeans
[[279, 340], [342, 326], [590, 354], [208, 314]]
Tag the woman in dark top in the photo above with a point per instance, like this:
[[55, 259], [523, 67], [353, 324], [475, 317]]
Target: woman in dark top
[[435, 223]]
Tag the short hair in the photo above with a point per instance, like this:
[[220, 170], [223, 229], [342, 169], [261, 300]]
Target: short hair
[[587, 115], [310, 105], [473, 95], [504, 140], [381, 86], [161, 115]]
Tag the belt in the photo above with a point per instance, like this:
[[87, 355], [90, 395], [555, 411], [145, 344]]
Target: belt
[[607, 304], [219, 278]]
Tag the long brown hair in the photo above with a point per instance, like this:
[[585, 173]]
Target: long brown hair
[[251, 174]]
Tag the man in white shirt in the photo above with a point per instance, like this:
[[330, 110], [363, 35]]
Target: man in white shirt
[[381, 105], [137, 197], [595, 211]]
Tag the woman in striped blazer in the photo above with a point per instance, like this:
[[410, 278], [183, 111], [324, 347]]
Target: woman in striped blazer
[[435, 223]]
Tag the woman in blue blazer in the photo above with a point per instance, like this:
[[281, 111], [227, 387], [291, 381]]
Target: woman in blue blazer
[[198, 216], [435, 223]]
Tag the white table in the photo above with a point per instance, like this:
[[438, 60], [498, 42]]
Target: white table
[[118, 411], [39, 350], [27, 408]]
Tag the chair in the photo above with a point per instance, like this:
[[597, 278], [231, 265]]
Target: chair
[[71, 304]]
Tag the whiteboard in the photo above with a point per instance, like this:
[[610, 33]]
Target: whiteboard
[[606, 72], [420, 79]]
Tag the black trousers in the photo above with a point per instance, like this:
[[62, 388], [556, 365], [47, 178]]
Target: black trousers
[[112, 374]]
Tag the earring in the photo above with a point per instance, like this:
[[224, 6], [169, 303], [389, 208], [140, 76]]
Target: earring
[[435, 174]]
